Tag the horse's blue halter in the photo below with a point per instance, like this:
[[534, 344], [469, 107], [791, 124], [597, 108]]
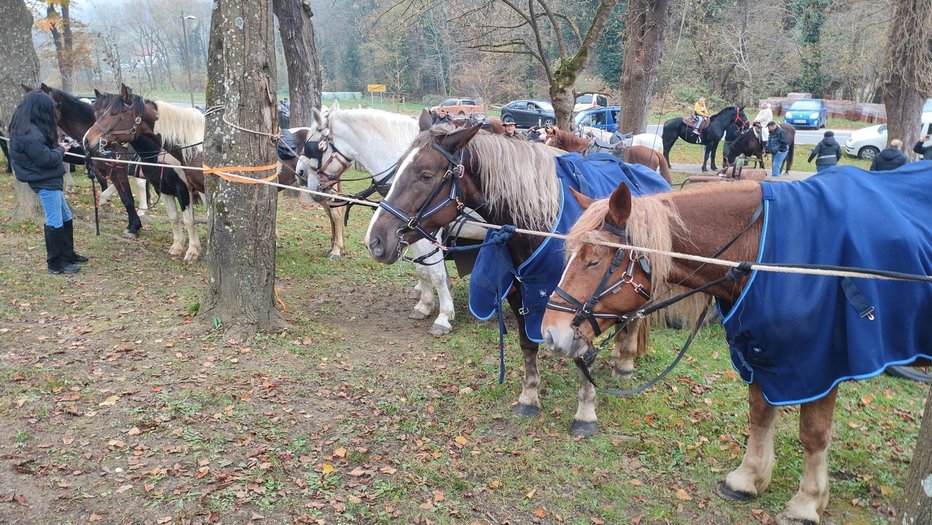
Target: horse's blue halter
[[455, 171]]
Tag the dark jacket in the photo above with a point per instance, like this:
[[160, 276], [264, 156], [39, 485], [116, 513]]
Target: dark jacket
[[442, 120], [888, 159], [826, 153], [36, 162], [777, 141], [926, 151]]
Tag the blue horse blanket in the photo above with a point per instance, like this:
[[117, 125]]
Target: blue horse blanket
[[595, 176], [800, 335]]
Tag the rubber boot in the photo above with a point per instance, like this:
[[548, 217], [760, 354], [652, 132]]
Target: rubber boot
[[55, 246], [70, 256]]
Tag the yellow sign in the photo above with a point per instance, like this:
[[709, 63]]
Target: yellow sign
[[376, 88]]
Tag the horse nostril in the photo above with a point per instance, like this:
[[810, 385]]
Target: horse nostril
[[375, 247]]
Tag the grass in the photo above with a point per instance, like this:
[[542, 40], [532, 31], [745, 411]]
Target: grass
[[685, 153]]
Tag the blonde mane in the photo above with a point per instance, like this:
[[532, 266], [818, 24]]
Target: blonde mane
[[180, 127], [391, 127]]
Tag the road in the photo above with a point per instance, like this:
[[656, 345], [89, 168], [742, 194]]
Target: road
[[803, 136]]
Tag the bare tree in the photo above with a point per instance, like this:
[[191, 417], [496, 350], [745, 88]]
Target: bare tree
[[19, 64], [304, 78], [908, 78], [916, 506], [241, 217], [58, 18], [645, 26]]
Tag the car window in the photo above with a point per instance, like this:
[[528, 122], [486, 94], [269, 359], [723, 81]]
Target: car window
[[545, 106], [882, 129], [584, 99], [603, 101], [518, 105], [927, 107], [615, 115], [450, 102], [467, 102], [531, 106], [804, 105]]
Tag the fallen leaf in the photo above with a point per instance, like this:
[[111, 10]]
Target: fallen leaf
[[460, 441], [438, 495], [885, 490], [388, 470], [163, 521], [426, 505], [327, 468], [109, 402], [340, 452], [539, 513], [134, 431], [683, 495], [530, 494], [19, 498], [636, 482], [359, 471], [94, 517], [123, 488], [116, 443], [597, 521], [495, 484], [67, 440]]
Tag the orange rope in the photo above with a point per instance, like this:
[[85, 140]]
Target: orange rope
[[245, 180]]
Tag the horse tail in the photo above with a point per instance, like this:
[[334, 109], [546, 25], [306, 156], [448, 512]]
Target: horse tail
[[664, 167], [789, 157]]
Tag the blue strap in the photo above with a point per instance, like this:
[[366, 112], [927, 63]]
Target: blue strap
[[500, 237]]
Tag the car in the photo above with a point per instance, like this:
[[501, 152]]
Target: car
[[605, 119], [866, 143], [590, 100], [527, 113], [809, 112], [460, 107]]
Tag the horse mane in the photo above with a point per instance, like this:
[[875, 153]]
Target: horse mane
[[392, 127], [179, 128], [73, 104]]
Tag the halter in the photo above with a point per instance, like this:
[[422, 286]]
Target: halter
[[323, 144], [583, 311], [110, 131], [455, 171], [738, 120]]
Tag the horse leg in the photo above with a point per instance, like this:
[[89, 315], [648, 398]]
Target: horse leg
[[714, 146], [141, 194], [171, 210], [753, 476], [529, 400], [425, 301], [441, 282], [705, 157], [625, 350], [194, 241], [107, 193], [336, 230], [126, 198], [815, 433], [585, 422]]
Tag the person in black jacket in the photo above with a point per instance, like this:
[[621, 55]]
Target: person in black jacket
[[924, 148], [891, 158], [827, 152], [37, 161], [778, 147]]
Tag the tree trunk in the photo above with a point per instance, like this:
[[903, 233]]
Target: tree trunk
[[644, 36], [304, 79], [563, 99], [241, 217], [916, 507], [909, 69], [63, 39], [20, 65]]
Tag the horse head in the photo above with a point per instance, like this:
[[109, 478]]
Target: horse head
[[319, 155], [120, 120], [430, 189]]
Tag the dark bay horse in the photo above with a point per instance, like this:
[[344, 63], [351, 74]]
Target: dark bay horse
[[76, 117], [642, 155], [158, 133], [512, 182], [750, 145], [727, 123], [844, 346]]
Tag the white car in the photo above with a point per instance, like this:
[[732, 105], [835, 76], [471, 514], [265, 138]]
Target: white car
[[866, 143]]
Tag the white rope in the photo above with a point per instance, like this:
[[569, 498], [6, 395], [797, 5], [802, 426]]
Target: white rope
[[676, 255]]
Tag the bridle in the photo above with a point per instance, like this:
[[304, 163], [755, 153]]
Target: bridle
[[741, 122], [315, 150], [110, 132], [584, 311], [455, 171]]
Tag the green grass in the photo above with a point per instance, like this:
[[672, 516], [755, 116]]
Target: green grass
[[685, 153]]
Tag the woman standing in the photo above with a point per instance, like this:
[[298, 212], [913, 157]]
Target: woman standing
[[37, 161]]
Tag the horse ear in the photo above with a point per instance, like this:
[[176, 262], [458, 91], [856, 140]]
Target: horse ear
[[45, 88], [335, 106], [619, 206], [317, 117], [425, 121], [97, 94], [459, 138], [26, 88], [583, 200], [127, 93]]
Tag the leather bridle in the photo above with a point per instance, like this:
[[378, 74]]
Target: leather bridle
[[742, 122], [316, 149], [110, 132], [584, 311]]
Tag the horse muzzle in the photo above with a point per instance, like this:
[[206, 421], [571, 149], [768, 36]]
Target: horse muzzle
[[563, 341]]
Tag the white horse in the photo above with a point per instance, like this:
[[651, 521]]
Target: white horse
[[650, 140], [376, 140]]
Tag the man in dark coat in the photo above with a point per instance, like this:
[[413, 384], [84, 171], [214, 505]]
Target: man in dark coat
[[891, 158], [827, 152], [924, 148], [441, 116], [778, 146]]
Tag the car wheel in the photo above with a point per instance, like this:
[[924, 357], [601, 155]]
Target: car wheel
[[868, 153]]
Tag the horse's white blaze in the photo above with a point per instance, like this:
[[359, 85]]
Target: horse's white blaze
[[391, 192]]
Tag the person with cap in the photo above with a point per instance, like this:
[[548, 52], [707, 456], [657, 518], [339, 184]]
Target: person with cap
[[441, 116], [778, 147], [827, 152], [890, 158], [511, 128]]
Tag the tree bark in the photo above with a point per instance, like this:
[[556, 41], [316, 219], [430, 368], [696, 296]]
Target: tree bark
[[645, 26], [909, 69], [19, 65], [304, 78], [63, 39], [916, 507], [241, 217]]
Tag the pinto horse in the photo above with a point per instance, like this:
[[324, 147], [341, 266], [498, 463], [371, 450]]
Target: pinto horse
[[513, 182], [749, 144], [159, 133], [643, 155], [727, 123], [790, 347]]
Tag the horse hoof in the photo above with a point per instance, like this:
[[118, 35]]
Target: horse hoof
[[417, 315], [131, 234], [526, 410], [731, 494], [335, 257], [621, 374], [439, 329], [583, 428], [783, 519]]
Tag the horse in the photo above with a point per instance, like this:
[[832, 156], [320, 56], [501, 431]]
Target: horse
[[513, 182], [159, 133], [651, 140], [728, 122], [642, 155], [6, 150], [375, 139], [775, 347], [750, 145], [76, 117]]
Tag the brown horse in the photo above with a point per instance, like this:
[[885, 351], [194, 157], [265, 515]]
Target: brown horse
[[700, 222], [642, 155]]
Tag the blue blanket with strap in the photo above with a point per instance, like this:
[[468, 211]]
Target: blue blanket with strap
[[800, 335], [595, 176]]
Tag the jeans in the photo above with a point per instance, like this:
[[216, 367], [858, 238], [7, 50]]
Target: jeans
[[56, 209], [778, 162], [823, 167]]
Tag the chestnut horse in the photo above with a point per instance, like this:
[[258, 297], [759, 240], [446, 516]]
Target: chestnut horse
[[642, 155], [701, 222]]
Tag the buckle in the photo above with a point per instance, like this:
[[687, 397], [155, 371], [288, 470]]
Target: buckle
[[523, 310]]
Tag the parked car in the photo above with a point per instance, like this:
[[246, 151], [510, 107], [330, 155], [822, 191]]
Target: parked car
[[527, 113], [866, 143], [590, 100], [809, 112], [605, 119], [461, 107]]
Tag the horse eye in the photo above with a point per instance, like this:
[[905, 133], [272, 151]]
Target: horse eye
[[592, 263], [426, 175]]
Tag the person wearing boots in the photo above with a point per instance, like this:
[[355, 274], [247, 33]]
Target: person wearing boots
[[37, 160]]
